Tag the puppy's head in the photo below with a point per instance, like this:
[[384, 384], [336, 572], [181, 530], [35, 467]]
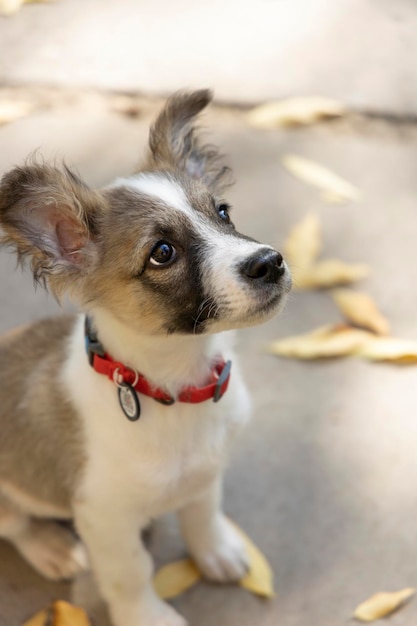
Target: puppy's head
[[157, 249]]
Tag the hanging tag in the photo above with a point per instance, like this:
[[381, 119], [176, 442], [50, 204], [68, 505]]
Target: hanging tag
[[129, 401]]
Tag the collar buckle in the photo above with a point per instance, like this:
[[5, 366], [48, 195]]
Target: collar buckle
[[92, 344], [166, 400], [225, 373]]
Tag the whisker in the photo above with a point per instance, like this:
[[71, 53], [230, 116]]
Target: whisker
[[213, 307], [200, 311]]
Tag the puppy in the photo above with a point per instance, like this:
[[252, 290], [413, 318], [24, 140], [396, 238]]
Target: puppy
[[127, 411]]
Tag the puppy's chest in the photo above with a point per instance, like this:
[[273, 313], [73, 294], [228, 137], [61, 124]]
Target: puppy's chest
[[163, 459], [159, 461]]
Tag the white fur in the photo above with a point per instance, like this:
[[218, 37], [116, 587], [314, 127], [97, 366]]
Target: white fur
[[157, 186], [170, 459]]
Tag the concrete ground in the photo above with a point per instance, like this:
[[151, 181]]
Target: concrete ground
[[325, 478], [362, 52]]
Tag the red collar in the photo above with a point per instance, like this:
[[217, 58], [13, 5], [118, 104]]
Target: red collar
[[119, 373]]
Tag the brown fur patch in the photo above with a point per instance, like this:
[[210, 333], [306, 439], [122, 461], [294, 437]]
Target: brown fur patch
[[41, 448], [176, 147], [13, 333], [147, 298]]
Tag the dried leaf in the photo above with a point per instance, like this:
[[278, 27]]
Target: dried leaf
[[332, 198], [323, 342], [402, 351], [40, 619], [126, 105], [66, 614], [360, 309], [329, 273], [294, 111], [9, 7], [321, 177], [303, 244], [260, 578], [61, 613], [174, 578], [11, 110], [382, 604]]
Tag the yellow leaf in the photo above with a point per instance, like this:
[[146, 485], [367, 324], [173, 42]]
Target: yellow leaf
[[11, 110], [260, 578], [174, 578], [66, 614], [126, 105], [360, 309], [61, 613], [323, 342], [303, 243], [40, 619], [400, 351], [321, 177], [382, 604], [329, 273], [9, 7], [294, 111]]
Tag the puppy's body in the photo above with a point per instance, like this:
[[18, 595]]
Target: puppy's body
[[173, 456], [160, 270]]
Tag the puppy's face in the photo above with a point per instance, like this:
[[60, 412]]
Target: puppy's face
[[158, 249], [187, 269]]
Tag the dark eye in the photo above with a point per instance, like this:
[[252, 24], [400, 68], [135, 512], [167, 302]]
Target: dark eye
[[223, 211], [162, 253]]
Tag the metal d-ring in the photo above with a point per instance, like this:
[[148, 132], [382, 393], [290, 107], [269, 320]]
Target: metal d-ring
[[116, 373]]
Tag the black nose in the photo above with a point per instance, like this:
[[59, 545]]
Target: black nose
[[266, 265]]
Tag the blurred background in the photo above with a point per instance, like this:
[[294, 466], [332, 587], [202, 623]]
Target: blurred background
[[324, 480]]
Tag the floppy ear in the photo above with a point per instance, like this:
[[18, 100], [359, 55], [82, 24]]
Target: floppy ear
[[174, 143], [49, 216]]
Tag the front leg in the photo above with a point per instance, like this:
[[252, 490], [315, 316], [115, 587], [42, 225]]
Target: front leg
[[122, 566], [211, 539]]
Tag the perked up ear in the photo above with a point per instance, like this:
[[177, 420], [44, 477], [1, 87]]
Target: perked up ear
[[174, 143], [49, 216]]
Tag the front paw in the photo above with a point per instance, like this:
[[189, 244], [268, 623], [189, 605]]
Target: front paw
[[222, 558]]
